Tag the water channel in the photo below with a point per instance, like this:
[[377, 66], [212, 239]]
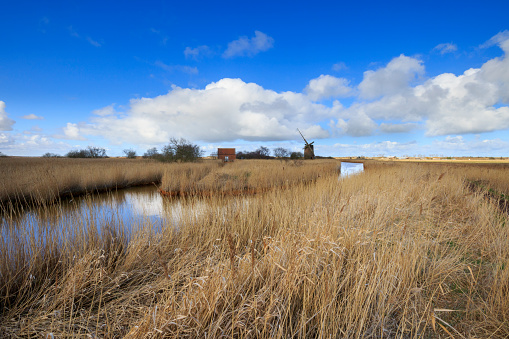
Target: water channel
[[126, 209]]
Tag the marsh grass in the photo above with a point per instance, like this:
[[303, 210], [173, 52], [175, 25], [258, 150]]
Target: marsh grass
[[398, 251], [240, 176], [28, 181]]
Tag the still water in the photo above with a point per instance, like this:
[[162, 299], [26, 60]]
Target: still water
[[125, 209]]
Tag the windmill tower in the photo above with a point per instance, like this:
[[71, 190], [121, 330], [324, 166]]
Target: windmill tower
[[309, 149]]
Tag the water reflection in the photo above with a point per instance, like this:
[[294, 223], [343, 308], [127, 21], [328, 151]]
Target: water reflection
[[350, 168], [127, 208]]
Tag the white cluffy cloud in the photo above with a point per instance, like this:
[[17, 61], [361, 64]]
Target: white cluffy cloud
[[71, 132], [30, 144], [473, 102], [396, 98], [245, 46], [227, 110], [392, 79], [5, 122], [327, 86]]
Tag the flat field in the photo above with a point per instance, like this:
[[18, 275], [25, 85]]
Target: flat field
[[401, 250]]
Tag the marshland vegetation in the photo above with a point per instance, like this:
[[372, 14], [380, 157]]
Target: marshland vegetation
[[43, 180], [401, 250], [242, 176]]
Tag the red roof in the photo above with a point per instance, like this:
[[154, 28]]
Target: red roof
[[225, 151]]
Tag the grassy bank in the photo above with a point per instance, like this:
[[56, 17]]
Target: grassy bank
[[40, 180], [403, 250]]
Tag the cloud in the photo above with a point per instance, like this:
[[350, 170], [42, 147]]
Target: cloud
[[458, 145], [180, 68], [198, 52], [6, 140], [385, 147], [465, 103], [227, 110], [450, 146], [71, 132], [498, 39], [108, 110], [359, 125], [245, 46], [327, 86], [30, 145], [32, 117], [394, 98], [93, 42], [339, 66], [445, 48], [5, 122], [392, 79], [473, 102], [398, 128]]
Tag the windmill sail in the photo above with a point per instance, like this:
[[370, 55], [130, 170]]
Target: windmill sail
[[309, 149]]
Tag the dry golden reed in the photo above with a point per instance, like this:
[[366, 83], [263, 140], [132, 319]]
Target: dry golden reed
[[42, 180], [245, 175], [400, 251]]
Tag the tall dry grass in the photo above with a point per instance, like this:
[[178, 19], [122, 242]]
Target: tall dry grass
[[244, 175], [399, 251], [40, 180]]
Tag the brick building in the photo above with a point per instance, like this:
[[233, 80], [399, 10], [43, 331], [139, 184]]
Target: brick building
[[226, 154]]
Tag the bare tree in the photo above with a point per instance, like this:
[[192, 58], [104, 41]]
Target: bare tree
[[152, 153], [281, 152], [296, 155], [90, 152], [130, 153], [181, 150]]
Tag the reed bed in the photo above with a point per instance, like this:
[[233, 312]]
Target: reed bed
[[400, 251], [40, 180], [241, 176]]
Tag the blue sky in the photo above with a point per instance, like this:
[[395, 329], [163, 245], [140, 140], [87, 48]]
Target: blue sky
[[358, 78]]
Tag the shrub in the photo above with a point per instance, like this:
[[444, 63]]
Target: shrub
[[260, 153], [296, 155], [181, 150], [51, 155], [152, 153], [89, 152], [130, 153], [281, 152]]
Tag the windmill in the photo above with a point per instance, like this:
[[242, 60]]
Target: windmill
[[309, 149]]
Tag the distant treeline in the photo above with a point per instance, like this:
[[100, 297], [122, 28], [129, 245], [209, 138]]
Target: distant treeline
[[179, 150], [264, 153]]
